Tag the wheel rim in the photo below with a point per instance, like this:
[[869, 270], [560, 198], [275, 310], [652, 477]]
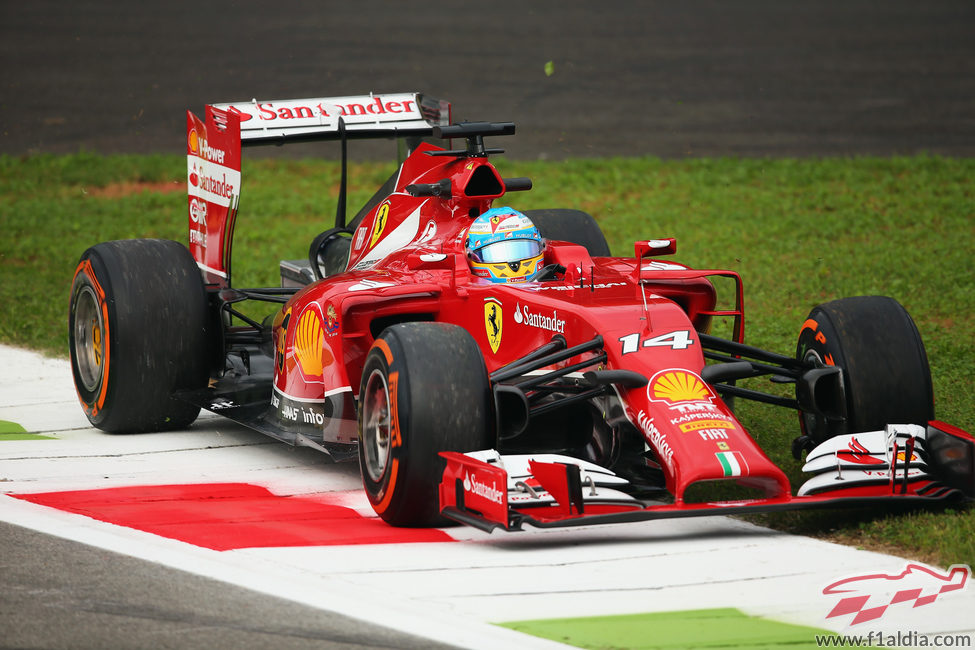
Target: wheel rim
[[88, 340], [376, 425]]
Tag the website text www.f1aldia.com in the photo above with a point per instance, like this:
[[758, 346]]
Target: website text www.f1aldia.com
[[909, 639]]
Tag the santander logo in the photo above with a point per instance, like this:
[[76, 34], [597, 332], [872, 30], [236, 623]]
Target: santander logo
[[306, 110], [489, 492], [523, 316]]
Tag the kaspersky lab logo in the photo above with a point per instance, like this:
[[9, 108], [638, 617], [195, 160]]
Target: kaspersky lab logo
[[869, 597]]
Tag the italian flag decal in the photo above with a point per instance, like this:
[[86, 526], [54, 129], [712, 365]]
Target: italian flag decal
[[732, 462]]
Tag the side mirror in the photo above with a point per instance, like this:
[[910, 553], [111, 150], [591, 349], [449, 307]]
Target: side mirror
[[329, 252], [655, 247]]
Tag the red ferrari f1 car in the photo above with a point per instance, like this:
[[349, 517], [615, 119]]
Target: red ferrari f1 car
[[590, 391]]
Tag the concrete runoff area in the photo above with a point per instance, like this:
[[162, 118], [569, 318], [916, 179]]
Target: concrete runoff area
[[457, 588]]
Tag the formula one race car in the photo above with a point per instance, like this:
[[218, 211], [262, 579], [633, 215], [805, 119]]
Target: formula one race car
[[488, 366]]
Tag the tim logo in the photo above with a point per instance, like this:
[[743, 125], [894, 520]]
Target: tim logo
[[868, 597]]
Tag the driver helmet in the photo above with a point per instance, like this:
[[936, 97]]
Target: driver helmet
[[503, 245]]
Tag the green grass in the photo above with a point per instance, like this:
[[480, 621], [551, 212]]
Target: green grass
[[800, 232], [705, 628], [14, 431]]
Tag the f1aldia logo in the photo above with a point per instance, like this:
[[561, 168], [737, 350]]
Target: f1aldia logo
[[868, 597], [489, 492]]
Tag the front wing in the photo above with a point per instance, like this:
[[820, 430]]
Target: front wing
[[902, 464]]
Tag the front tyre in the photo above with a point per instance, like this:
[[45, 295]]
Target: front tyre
[[424, 390], [137, 329], [885, 368]]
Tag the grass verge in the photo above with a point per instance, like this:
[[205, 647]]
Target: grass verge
[[800, 232]]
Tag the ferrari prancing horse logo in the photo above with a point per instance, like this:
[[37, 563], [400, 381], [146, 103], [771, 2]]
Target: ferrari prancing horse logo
[[380, 224], [493, 322]]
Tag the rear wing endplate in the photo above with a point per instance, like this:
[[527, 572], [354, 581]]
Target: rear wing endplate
[[213, 153]]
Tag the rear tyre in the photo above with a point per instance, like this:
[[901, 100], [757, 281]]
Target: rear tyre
[[885, 368], [573, 226], [424, 390], [137, 328]]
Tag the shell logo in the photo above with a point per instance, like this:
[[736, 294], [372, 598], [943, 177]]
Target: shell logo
[[194, 142], [309, 338], [673, 386]]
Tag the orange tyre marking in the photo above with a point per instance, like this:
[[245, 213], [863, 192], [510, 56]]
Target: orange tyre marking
[[85, 267], [395, 441], [382, 345], [810, 324], [380, 507]]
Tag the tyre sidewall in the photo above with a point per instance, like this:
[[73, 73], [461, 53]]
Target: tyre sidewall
[[379, 492], [91, 273], [819, 343], [437, 408]]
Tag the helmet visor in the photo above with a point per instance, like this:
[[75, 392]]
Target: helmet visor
[[509, 250]]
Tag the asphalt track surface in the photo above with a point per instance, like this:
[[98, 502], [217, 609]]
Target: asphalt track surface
[[61, 594], [630, 78]]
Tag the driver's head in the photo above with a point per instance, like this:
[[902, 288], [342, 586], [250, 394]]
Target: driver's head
[[503, 245]]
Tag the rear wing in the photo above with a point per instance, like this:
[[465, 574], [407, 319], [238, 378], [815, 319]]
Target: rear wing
[[213, 152], [367, 116]]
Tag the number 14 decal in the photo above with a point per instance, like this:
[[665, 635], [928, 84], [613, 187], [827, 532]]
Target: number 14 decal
[[679, 340]]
